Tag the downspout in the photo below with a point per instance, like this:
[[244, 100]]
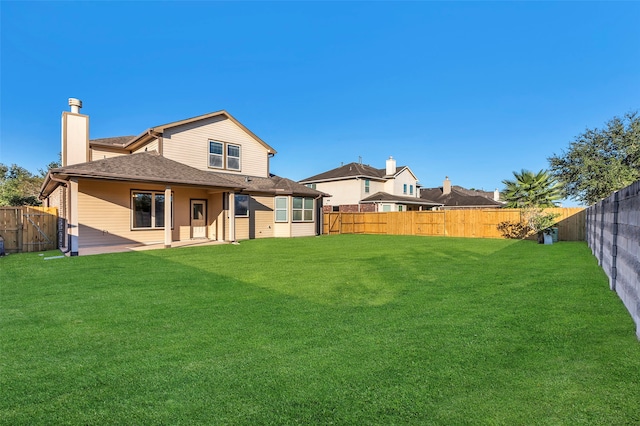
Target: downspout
[[67, 207], [319, 223]]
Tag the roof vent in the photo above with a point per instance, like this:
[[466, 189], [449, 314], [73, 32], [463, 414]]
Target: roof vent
[[75, 105]]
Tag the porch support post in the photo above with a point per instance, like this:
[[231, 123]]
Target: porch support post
[[74, 232], [168, 220], [232, 216]]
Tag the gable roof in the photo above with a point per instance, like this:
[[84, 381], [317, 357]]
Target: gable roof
[[151, 167], [458, 198], [115, 142], [384, 196], [156, 131], [353, 170]]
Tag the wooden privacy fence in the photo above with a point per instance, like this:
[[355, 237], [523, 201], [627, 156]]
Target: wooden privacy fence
[[470, 223], [28, 229]]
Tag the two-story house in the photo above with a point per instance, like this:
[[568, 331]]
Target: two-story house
[[357, 187], [205, 177]]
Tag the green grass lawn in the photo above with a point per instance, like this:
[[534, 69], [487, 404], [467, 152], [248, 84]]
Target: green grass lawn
[[349, 329]]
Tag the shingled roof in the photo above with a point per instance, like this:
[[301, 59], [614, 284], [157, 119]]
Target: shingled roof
[[116, 142], [351, 170], [384, 196], [153, 168], [272, 185], [458, 198]]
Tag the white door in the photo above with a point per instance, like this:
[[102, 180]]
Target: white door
[[198, 219]]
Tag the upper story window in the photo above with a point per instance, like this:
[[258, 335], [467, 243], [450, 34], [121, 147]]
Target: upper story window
[[224, 156], [233, 157], [367, 186], [216, 155], [404, 188], [311, 185], [410, 189]]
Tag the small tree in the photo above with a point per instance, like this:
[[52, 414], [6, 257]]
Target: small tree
[[600, 161], [529, 189], [530, 192]]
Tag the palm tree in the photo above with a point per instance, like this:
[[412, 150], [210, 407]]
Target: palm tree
[[530, 189]]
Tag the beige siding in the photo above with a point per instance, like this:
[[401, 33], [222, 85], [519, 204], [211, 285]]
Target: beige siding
[[102, 153], [259, 224], [343, 192], [182, 211], [215, 217], [242, 228], [396, 186], [105, 213], [303, 229], [262, 210], [75, 138], [282, 230], [151, 146], [189, 144]]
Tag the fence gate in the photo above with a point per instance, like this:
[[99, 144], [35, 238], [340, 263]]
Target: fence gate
[[28, 229], [334, 223]]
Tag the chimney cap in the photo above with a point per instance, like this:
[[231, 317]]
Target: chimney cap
[[75, 102]]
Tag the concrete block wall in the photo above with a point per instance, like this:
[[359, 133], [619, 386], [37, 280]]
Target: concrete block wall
[[613, 234]]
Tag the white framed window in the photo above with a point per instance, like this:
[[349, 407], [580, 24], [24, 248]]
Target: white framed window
[[410, 189], [400, 208], [233, 157], [282, 209], [404, 188], [147, 210], [242, 205], [302, 209], [224, 156], [216, 154], [367, 186], [386, 207]]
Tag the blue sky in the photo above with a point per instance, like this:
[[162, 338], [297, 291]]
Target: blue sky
[[469, 90]]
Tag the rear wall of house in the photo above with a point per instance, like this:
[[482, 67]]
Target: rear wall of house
[[189, 144], [260, 223], [105, 213], [344, 191], [102, 153]]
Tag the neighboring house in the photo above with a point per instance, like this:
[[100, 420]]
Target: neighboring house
[[357, 187], [459, 197], [205, 177]]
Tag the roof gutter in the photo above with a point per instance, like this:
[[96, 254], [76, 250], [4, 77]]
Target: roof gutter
[[64, 183], [49, 178]]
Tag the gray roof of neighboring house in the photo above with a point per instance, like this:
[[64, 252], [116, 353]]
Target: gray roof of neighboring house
[[352, 170], [152, 167], [459, 197], [384, 196]]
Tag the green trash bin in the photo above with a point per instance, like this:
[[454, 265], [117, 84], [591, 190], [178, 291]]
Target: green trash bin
[[554, 234]]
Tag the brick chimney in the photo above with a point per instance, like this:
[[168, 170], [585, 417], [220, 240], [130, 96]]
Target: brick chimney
[[391, 166], [446, 186], [75, 135]]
